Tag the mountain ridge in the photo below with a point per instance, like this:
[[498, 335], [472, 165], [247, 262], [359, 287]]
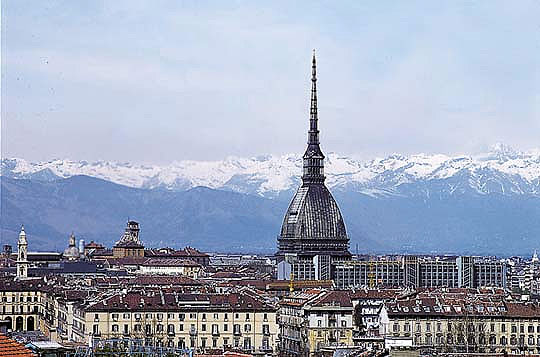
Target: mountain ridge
[[512, 171]]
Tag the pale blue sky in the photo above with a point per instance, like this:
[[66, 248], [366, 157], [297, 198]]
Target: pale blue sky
[[153, 82]]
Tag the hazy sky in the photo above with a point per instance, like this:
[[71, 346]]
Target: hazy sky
[[153, 82]]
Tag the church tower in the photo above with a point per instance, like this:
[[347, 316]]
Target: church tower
[[22, 252], [313, 235]]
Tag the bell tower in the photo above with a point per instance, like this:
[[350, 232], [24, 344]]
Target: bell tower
[[22, 258]]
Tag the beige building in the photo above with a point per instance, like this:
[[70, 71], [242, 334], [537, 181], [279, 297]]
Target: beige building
[[315, 320], [460, 322], [21, 303], [187, 321]]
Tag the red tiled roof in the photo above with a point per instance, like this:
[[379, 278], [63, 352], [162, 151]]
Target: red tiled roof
[[365, 294], [339, 298], [152, 300], [12, 348]]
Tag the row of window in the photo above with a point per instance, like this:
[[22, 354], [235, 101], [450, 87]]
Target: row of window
[[21, 299], [19, 309], [481, 340], [203, 343], [181, 316], [470, 327], [171, 329]]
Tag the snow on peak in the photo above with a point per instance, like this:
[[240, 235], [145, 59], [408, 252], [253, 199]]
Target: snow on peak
[[268, 175]]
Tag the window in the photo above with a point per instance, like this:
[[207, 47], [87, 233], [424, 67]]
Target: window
[[170, 316], [203, 342], [319, 323], [159, 316], [266, 329], [215, 329], [225, 327], [503, 329], [137, 328], [159, 327], [203, 316], [114, 328], [125, 316], [226, 316], [203, 327], [181, 317], [247, 317], [216, 316], [170, 328], [236, 315], [192, 316], [95, 329], [247, 328], [343, 323], [181, 327], [126, 329], [247, 343], [265, 316]]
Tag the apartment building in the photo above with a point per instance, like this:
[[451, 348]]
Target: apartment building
[[198, 321], [313, 320], [463, 321]]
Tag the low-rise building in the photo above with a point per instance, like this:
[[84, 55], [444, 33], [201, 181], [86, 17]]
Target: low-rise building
[[313, 320], [195, 321], [463, 321]]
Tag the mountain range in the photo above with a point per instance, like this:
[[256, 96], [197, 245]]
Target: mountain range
[[487, 203]]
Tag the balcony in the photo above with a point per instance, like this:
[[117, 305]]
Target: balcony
[[237, 332]]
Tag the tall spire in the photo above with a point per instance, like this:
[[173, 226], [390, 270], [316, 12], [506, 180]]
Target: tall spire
[[313, 136], [313, 157]]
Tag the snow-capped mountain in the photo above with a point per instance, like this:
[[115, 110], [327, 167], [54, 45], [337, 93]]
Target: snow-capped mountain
[[502, 170], [481, 204]]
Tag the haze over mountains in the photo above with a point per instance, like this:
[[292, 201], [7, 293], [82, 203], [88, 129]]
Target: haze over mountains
[[488, 203]]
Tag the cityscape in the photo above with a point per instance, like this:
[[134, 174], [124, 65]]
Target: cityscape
[[325, 285]]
